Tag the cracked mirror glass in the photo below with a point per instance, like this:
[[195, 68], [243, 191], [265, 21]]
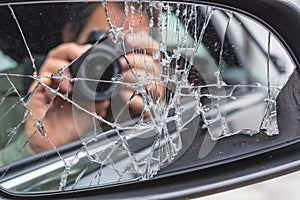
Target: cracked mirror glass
[[105, 92]]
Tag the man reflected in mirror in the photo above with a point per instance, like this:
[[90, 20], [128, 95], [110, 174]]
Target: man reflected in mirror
[[50, 120]]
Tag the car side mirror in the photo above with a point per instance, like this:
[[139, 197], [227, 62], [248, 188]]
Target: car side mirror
[[208, 98]]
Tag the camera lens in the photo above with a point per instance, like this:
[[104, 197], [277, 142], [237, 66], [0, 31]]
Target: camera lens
[[96, 69]]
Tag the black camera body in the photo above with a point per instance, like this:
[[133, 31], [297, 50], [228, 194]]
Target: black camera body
[[96, 68]]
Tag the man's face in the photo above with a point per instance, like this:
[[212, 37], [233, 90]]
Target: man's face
[[115, 11]]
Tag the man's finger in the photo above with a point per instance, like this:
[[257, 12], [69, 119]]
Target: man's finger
[[136, 60], [143, 40], [49, 68], [68, 51]]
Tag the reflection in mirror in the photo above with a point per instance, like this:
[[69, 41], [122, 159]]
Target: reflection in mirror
[[108, 92]]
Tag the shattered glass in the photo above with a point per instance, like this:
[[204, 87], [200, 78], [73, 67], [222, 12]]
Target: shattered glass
[[174, 65]]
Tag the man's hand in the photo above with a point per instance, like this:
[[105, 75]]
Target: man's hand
[[145, 72], [50, 113]]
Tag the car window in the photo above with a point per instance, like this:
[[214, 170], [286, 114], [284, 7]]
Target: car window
[[107, 92]]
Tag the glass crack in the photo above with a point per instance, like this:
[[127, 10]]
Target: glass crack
[[181, 64]]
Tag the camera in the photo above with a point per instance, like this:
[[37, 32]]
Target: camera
[[96, 68]]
